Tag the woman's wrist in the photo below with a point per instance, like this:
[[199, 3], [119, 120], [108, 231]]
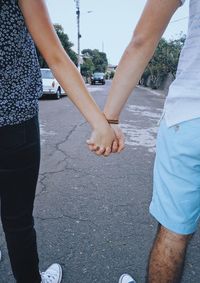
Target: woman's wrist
[[100, 122]]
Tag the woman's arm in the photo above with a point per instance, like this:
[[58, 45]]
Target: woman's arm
[[42, 31], [153, 22]]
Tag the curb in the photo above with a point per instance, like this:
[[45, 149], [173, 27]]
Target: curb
[[160, 93]]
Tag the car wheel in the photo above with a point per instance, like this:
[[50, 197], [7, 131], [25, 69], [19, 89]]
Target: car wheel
[[58, 93]]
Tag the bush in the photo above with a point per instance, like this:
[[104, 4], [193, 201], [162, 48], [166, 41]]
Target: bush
[[163, 63]]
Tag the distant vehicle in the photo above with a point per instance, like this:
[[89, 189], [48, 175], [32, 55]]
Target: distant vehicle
[[98, 78], [51, 87]]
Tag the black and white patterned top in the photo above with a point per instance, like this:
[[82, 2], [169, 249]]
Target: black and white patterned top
[[20, 76]]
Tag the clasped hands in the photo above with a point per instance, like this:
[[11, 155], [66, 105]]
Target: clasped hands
[[106, 139]]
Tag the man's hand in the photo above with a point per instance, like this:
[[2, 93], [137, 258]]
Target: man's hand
[[119, 142]]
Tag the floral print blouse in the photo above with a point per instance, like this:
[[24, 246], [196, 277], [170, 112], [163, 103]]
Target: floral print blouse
[[20, 77]]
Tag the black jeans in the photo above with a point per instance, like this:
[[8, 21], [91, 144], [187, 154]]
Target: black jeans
[[19, 167]]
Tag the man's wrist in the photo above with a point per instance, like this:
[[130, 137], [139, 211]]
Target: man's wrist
[[112, 120]]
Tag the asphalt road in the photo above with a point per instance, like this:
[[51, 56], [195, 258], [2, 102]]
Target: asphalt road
[[91, 213]]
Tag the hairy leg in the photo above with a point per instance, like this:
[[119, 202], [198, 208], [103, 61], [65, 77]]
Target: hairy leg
[[167, 257]]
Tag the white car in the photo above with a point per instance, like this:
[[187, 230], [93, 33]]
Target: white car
[[51, 86]]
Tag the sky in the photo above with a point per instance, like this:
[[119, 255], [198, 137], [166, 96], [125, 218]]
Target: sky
[[108, 25]]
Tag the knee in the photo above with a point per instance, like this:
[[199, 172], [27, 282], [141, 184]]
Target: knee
[[17, 224], [164, 233]]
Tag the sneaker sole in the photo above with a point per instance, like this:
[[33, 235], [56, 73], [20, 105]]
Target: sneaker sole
[[60, 269]]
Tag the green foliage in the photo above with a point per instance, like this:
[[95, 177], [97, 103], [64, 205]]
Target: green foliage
[[164, 62], [87, 68], [67, 45], [94, 61], [112, 73]]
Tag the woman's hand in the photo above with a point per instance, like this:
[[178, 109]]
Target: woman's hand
[[101, 140]]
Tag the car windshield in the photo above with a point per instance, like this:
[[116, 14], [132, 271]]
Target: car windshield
[[47, 74], [98, 74]]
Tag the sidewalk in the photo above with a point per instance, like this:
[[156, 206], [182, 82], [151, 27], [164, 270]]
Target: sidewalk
[[158, 92]]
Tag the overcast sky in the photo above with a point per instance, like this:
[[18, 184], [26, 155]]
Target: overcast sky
[[109, 24]]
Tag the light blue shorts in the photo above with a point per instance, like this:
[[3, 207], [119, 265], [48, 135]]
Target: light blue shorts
[[176, 192]]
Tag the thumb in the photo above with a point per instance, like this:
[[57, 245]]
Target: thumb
[[90, 141], [121, 143]]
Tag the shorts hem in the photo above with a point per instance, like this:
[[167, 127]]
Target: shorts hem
[[175, 228]]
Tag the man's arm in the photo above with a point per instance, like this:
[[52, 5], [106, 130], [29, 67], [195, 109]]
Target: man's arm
[[152, 24]]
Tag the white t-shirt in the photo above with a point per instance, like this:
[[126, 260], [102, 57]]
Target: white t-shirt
[[183, 100]]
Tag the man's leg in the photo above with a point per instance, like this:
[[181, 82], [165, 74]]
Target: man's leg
[[176, 198], [167, 257]]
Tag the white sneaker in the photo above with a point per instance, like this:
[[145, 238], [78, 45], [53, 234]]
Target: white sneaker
[[125, 278], [53, 274]]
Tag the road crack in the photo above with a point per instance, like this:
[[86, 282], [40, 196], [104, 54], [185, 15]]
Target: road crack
[[74, 218]]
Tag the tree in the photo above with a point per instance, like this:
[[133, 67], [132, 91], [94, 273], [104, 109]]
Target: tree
[[100, 61], [94, 61], [158, 65], [164, 62], [67, 45], [87, 68]]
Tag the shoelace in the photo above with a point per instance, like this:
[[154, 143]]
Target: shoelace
[[48, 278]]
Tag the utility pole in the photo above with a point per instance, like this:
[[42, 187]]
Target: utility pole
[[102, 46], [78, 32]]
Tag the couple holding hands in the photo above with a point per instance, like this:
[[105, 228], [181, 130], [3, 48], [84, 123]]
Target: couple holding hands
[[25, 22]]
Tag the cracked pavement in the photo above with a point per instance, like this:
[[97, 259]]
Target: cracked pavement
[[91, 213]]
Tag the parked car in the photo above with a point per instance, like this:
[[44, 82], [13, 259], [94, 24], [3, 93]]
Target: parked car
[[51, 87], [98, 78]]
